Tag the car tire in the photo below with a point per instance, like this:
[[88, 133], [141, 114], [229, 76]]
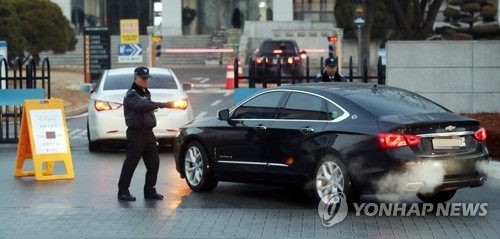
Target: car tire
[[199, 175], [331, 177], [437, 197], [94, 146]]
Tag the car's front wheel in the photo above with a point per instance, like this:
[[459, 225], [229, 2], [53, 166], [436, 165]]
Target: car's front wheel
[[199, 175], [332, 178], [437, 197]]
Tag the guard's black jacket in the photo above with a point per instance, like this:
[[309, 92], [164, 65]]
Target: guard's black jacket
[[326, 78], [139, 109]]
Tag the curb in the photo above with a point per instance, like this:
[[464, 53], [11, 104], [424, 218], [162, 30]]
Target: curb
[[75, 112]]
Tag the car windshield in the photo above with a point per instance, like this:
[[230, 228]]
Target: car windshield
[[269, 47], [119, 82], [386, 102]]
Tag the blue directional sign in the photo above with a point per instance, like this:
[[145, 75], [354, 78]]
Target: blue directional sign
[[129, 53]]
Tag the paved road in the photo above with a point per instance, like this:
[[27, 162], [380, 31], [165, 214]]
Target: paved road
[[86, 207]]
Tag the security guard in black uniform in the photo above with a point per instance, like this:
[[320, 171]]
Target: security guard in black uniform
[[331, 73], [141, 141]]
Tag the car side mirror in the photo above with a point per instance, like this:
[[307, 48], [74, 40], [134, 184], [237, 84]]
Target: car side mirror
[[223, 114], [87, 88], [187, 86]]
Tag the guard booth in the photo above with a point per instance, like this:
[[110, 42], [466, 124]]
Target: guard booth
[[23, 84]]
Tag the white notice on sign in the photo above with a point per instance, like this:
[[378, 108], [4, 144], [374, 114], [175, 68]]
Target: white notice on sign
[[48, 131]]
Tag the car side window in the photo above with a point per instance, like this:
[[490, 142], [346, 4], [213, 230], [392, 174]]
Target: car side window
[[263, 106], [334, 111], [302, 106]]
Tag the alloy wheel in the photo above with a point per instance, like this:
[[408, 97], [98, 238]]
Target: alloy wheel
[[193, 166], [329, 179]]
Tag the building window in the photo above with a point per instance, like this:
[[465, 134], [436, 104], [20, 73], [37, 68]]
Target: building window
[[314, 10]]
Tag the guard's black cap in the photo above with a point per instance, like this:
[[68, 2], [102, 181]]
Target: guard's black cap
[[142, 72], [332, 61]]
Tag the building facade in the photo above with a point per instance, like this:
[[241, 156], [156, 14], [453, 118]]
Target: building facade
[[191, 17]]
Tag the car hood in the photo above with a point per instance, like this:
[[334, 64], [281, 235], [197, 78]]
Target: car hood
[[203, 122]]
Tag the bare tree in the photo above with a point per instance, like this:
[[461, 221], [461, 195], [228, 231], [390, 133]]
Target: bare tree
[[413, 19]]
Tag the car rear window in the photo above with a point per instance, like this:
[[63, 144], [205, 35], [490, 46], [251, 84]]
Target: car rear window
[[119, 82], [269, 47], [384, 102]]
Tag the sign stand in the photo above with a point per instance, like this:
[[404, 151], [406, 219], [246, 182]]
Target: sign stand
[[44, 139]]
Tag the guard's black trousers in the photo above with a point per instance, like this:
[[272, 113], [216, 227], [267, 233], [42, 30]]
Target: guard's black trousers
[[140, 143]]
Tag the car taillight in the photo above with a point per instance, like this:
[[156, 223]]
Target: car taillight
[[178, 104], [391, 140], [289, 60], [277, 51], [480, 135], [258, 60], [104, 105]]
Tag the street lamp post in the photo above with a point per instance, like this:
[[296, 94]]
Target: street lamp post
[[359, 15]]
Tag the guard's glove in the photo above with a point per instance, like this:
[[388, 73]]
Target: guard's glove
[[161, 104]]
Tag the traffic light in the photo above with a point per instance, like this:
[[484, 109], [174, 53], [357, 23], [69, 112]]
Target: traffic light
[[331, 47], [158, 49], [331, 50]]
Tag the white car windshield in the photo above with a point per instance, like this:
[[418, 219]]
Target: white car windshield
[[119, 82]]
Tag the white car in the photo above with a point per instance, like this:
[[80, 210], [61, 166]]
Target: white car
[[106, 121]]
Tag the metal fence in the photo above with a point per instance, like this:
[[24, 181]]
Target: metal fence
[[11, 109], [307, 77]]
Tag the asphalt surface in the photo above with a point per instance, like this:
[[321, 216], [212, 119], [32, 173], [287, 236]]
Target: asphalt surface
[[86, 207]]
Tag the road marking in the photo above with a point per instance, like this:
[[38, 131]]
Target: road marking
[[201, 114], [210, 91], [228, 93], [75, 132], [204, 80], [221, 86], [215, 102]]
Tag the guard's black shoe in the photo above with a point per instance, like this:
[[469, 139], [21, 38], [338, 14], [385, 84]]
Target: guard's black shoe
[[126, 197], [154, 196]]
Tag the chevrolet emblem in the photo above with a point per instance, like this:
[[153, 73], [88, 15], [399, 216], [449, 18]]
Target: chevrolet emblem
[[450, 128]]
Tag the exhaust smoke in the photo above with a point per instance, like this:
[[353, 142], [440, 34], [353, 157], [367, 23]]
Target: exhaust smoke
[[421, 177]]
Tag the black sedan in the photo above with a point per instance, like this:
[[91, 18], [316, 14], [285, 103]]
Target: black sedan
[[336, 138]]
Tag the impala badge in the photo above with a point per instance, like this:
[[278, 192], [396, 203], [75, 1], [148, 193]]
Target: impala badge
[[450, 128]]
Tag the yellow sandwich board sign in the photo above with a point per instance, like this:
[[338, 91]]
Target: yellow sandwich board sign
[[44, 139], [129, 31]]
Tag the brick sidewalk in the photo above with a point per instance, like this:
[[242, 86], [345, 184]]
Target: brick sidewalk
[[231, 223]]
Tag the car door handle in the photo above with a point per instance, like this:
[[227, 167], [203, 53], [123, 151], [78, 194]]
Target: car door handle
[[262, 127], [306, 130]]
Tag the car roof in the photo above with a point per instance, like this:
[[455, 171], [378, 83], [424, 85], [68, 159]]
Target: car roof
[[130, 70], [374, 98], [278, 40], [337, 88]]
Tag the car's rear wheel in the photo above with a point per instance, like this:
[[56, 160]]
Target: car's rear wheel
[[199, 175], [437, 197], [94, 146], [332, 178]]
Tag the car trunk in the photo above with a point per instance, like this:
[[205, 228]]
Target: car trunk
[[442, 134]]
